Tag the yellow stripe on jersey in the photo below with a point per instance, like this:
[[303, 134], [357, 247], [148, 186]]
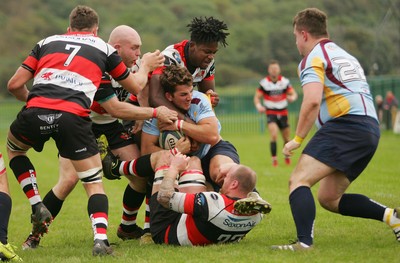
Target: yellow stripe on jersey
[[318, 66], [337, 105]]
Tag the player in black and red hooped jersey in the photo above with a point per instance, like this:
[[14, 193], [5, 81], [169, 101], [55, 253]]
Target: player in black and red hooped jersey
[[275, 91], [107, 107], [67, 71]]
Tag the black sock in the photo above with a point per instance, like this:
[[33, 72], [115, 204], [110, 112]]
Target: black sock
[[273, 148], [132, 201], [357, 205], [52, 203], [5, 211], [303, 211]]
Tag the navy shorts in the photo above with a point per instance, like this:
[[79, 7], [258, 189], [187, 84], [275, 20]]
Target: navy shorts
[[346, 143], [221, 148], [72, 134], [117, 135], [280, 120]]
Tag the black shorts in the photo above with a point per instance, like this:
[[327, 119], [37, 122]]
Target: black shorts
[[221, 148], [73, 134], [116, 134], [280, 120], [161, 221], [346, 143]]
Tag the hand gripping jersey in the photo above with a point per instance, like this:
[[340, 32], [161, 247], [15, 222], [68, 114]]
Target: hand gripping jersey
[[200, 108], [108, 89], [274, 95], [67, 71], [208, 218], [177, 55], [346, 90]]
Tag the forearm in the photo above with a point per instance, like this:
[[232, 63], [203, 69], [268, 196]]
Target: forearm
[[20, 94], [167, 189], [204, 133], [308, 115]]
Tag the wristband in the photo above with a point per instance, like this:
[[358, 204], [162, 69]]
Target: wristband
[[174, 151], [298, 139], [154, 112], [179, 125]]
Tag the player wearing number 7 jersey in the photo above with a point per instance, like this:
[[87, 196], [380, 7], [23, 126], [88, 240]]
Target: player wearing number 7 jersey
[[338, 99], [66, 71]]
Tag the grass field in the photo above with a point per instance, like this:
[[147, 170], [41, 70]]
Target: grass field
[[337, 238]]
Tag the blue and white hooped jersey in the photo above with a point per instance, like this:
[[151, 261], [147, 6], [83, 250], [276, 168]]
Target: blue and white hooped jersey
[[346, 90], [200, 108]]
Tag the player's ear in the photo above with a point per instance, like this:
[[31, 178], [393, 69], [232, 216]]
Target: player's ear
[[234, 184], [168, 96]]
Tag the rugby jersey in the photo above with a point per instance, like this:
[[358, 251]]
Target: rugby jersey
[[207, 218], [108, 89], [346, 90], [275, 95], [177, 55], [67, 71]]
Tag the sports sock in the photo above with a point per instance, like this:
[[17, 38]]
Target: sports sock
[[26, 175], [5, 211], [132, 201], [52, 203], [357, 205], [146, 226], [303, 210], [138, 167], [272, 146], [98, 214]]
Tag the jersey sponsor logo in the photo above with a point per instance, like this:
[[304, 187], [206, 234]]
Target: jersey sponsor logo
[[47, 75], [235, 224]]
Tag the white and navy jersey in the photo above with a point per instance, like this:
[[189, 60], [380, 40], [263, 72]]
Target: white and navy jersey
[[208, 218], [346, 90], [275, 94], [108, 89], [67, 71], [177, 55]]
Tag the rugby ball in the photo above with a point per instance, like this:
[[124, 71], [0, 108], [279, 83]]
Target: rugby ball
[[168, 139]]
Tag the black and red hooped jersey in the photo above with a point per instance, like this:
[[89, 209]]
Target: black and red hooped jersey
[[274, 95], [177, 55], [107, 89], [67, 71], [208, 218]]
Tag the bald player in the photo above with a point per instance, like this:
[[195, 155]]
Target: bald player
[[108, 107]]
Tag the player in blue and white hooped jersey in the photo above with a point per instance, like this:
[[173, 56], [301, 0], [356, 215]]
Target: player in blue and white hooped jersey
[[337, 98]]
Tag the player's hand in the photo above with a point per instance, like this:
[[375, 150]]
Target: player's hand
[[194, 145], [137, 127], [167, 126], [290, 147], [166, 115], [214, 97], [184, 145], [260, 108], [180, 162], [152, 60]]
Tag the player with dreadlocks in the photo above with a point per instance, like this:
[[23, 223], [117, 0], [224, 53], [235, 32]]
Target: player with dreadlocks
[[197, 55]]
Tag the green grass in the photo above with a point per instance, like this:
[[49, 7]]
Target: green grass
[[337, 238]]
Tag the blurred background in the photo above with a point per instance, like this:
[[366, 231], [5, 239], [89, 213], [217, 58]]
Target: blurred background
[[260, 30]]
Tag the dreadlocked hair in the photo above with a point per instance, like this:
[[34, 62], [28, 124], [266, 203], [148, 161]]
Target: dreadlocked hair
[[208, 30]]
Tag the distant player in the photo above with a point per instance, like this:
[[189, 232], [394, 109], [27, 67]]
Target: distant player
[[275, 91]]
